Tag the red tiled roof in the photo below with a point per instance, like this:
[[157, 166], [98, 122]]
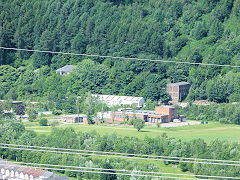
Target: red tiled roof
[[37, 172]]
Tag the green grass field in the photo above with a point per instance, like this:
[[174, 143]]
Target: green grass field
[[207, 132]]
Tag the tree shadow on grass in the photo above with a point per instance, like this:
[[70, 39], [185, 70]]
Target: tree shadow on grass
[[143, 131]]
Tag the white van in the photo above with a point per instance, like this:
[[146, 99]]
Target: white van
[[176, 121]]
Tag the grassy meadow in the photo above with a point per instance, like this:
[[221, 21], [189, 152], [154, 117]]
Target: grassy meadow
[[208, 132]]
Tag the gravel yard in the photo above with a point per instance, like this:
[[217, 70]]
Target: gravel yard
[[187, 123]]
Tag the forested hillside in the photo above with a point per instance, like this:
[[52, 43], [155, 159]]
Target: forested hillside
[[204, 31]]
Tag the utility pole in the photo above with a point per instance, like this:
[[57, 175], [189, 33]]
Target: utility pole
[[77, 106], [102, 110]]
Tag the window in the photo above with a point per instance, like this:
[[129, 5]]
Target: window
[[145, 119], [173, 112], [120, 116]]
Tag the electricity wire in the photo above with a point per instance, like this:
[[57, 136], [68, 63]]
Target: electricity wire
[[99, 172], [116, 57], [114, 156], [116, 153], [123, 170]]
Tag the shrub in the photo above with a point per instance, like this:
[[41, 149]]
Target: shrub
[[43, 122], [57, 112], [200, 117], [32, 113], [138, 124], [54, 123]]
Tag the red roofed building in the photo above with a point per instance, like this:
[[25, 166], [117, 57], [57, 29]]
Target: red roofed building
[[162, 114]]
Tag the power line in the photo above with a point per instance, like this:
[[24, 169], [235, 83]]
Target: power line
[[123, 170], [99, 172], [117, 57], [116, 153], [114, 156]]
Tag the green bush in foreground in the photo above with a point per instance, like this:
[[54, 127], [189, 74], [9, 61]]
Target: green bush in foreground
[[138, 124], [43, 122]]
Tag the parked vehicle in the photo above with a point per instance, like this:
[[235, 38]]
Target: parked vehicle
[[176, 121]]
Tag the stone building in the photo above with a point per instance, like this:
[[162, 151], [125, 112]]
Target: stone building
[[178, 91]]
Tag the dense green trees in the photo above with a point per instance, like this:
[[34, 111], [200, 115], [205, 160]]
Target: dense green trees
[[200, 31], [224, 113], [8, 76]]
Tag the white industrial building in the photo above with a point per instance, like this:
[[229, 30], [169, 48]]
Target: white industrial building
[[74, 118], [104, 115], [112, 100]]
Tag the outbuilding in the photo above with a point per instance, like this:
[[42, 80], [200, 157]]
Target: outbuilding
[[66, 69], [178, 91], [74, 118]]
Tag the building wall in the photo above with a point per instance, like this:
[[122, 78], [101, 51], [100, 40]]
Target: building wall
[[104, 115], [173, 91], [73, 119], [178, 92], [153, 118], [183, 91], [163, 114], [141, 102], [171, 112]]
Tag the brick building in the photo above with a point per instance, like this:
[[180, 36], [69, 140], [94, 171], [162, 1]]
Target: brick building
[[178, 91], [162, 114]]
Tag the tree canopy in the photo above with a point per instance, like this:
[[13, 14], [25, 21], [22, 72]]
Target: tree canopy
[[200, 31]]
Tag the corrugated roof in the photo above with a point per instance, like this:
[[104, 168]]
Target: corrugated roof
[[178, 84], [172, 107], [67, 68], [48, 174], [120, 100], [117, 98]]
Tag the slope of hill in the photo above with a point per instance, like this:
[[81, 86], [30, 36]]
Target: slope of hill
[[195, 31]]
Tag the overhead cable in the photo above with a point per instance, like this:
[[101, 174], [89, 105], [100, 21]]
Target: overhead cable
[[115, 156], [128, 171], [117, 153], [99, 172], [116, 57]]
